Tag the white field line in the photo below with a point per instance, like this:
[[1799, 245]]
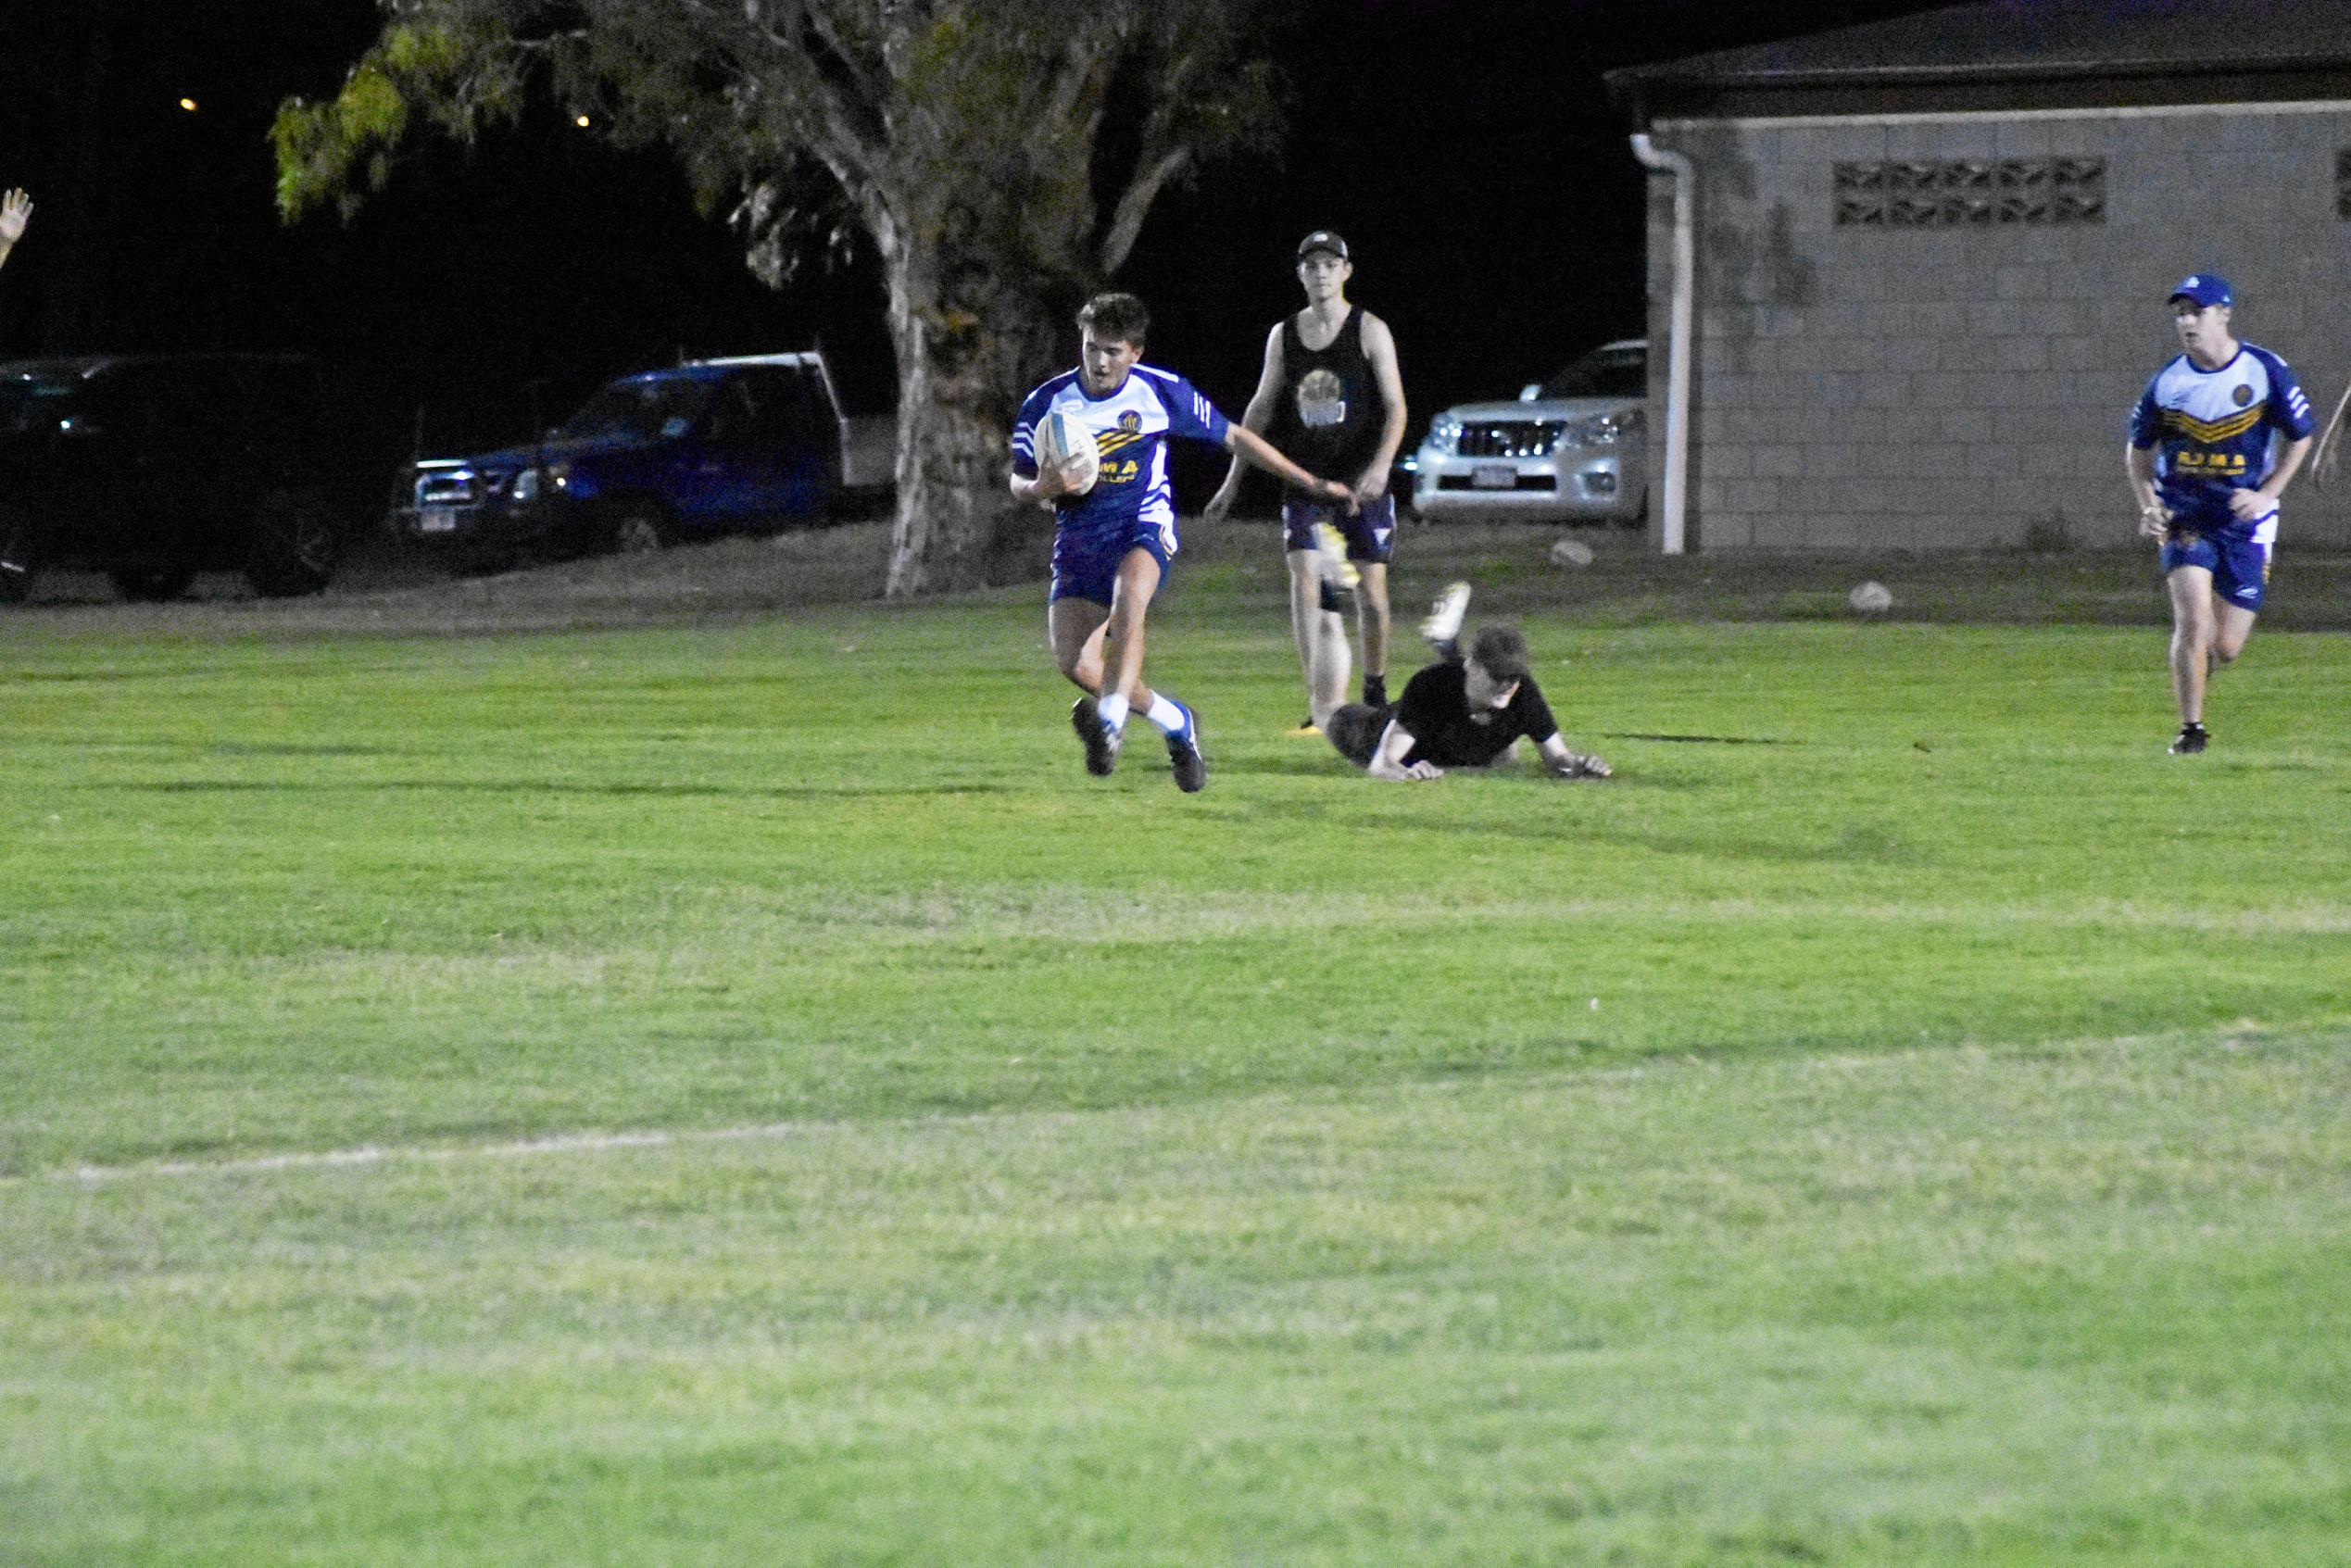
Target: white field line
[[1844, 1062], [386, 1154], [366, 1155]]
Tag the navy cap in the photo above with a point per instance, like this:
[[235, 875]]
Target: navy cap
[[2206, 288], [1323, 239]]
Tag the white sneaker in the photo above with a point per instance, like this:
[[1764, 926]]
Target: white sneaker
[[1332, 546], [1445, 616]]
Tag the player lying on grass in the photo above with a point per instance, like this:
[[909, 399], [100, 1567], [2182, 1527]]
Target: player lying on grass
[[1113, 538], [1469, 709]]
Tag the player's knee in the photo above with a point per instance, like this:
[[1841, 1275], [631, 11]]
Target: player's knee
[[2225, 650]]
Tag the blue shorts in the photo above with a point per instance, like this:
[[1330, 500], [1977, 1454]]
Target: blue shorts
[[2239, 562], [1086, 565], [1371, 534]]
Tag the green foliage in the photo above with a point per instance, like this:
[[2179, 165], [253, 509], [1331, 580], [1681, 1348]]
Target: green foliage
[[461, 80]]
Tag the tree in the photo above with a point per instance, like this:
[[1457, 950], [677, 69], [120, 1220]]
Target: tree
[[999, 156]]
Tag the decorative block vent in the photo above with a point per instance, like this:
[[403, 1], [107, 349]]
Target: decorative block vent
[[1971, 193]]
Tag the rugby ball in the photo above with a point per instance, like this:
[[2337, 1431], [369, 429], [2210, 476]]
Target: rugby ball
[[1064, 443]]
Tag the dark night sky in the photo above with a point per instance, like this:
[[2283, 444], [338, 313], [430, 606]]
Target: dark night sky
[[1453, 141]]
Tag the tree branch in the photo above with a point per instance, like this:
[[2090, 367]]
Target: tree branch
[[1134, 205]]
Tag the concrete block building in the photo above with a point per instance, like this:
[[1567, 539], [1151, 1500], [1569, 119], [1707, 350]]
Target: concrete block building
[[1931, 258]]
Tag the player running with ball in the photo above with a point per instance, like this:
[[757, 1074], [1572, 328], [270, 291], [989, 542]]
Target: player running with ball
[[1113, 539], [2215, 440]]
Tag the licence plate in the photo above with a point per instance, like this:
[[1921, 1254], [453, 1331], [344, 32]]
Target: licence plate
[[1493, 476], [437, 519]]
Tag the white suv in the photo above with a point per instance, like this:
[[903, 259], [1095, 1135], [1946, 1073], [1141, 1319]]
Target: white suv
[[1573, 449]]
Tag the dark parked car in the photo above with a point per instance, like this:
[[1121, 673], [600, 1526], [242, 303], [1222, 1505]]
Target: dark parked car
[[706, 447], [153, 468]]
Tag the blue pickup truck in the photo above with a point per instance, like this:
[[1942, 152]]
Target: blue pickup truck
[[712, 447]]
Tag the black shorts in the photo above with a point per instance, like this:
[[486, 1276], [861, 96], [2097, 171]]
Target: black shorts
[[1370, 533], [1355, 728]]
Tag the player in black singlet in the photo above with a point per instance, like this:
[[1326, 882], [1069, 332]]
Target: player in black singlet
[[1331, 388]]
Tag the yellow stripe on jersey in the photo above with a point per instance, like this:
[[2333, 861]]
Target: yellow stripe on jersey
[[1110, 441], [2212, 431]]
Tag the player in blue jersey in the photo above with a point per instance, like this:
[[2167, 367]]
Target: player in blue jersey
[[1112, 542], [2214, 442]]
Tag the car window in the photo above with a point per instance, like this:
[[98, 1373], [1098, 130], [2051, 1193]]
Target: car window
[[163, 401], [31, 401], [767, 407], [733, 418], [659, 406], [1621, 372]]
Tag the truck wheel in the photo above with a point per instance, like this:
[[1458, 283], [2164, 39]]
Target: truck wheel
[[639, 529], [17, 564], [293, 546], [155, 584]]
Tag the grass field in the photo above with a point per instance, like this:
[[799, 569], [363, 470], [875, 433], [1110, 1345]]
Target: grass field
[[708, 1088]]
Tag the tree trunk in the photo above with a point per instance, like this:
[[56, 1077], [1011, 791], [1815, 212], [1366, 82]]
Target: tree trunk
[[969, 345]]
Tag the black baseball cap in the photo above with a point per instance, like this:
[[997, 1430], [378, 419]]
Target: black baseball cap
[[1323, 239]]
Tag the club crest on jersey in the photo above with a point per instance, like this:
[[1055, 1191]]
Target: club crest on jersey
[[1130, 422], [2242, 396]]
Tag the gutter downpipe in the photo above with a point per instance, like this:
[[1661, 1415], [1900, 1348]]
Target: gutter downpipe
[[1674, 531]]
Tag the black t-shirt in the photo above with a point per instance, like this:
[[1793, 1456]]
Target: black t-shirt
[[1435, 712]]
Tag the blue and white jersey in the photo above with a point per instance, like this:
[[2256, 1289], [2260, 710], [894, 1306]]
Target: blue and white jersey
[[2215, 431], [1131, 428]]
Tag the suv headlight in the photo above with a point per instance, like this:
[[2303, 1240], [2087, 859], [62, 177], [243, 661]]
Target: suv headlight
[[532, 483], [1444, 434], [1606, 429]]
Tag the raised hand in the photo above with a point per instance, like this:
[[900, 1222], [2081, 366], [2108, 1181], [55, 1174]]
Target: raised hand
[[15, 211]]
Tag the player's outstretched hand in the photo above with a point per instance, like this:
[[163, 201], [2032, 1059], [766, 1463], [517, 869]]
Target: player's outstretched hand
[[2155, 521], [15, 211], [1576, 765], [1220, 505]]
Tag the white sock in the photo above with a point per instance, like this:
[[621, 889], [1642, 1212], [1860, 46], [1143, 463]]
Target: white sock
[[1113, 710], [1165, 714]]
